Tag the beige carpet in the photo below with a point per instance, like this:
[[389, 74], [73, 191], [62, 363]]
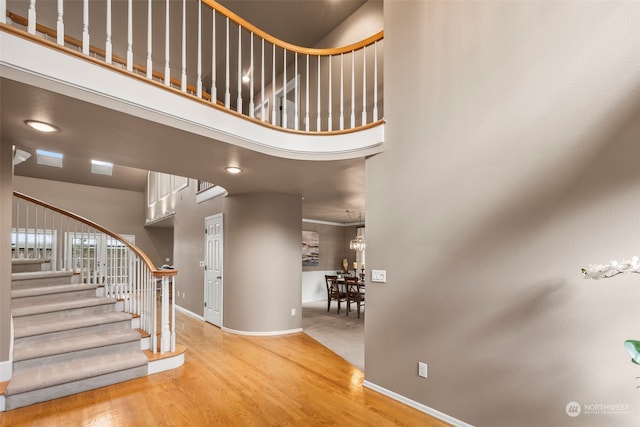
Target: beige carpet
[[342, 334]]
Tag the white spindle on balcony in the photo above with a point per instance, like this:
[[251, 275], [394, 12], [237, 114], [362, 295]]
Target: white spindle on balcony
[[263, 110], [283, 104], [319, 119], [59, 23], [167, 67], [239, 77], [85, 28], [341, 91], [364, 86], [251, 106], [330, 102], [108, 46], [31, 14], [183, 62], [214, 89], [296, 115], [353, 90], [227, 93], [129, 35], [306, 116], [199, 64], [375, 81], [3, 11], [149, 40], [273, 87]]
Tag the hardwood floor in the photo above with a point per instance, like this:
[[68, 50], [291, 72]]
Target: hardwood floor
[[230, 379]]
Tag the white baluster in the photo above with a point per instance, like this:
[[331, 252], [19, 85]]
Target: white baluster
[[318, 120], [306, 114], [364, 86], [167, 69], [199, 64], [341, 91], [183, 75], [329, 118], [283, 105], [239, 101], [263, 116], [3, 11], [149, 41], [85, 28], [375, 82], [353, 89], [227, 93], [31, 15], [108, 47], [273, 88], [129, 35], [214, 90], [251, 106], [296, 115], [59, 22]]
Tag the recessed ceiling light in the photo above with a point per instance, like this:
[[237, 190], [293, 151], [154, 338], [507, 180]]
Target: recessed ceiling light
[[41, 126], [233, 169], [49, 158], [102, 168]]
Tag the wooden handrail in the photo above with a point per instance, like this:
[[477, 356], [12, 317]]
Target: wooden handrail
[[289, 46], [101, 52], [155, 272]]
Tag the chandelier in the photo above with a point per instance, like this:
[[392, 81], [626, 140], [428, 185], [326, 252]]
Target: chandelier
[[358, 244]]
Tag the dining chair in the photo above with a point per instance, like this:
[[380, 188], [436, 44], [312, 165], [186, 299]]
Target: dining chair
[[355, 293], [334, 292]]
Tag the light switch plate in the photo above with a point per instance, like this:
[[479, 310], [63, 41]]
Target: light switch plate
[[379, 276]]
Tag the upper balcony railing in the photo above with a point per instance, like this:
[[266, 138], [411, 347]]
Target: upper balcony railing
[[220, 58]]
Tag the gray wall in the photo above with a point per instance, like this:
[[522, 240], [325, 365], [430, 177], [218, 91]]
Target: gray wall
[[189, 246], [511, 161], [6, 172], [120, 211], [262, 259]]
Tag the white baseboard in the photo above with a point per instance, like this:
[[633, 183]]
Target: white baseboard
[[417, 405], [165, 364], [3, 405], [262, 334], [189, 313], [6, 370]]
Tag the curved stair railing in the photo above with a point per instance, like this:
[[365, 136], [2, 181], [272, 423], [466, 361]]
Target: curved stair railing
[[223, 59], [64, 241]]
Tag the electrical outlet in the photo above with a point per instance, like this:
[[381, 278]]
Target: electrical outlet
[[202, 264], [293, 311], [422, 369]]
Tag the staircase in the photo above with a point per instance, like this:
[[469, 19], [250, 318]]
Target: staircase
[[68, 338]]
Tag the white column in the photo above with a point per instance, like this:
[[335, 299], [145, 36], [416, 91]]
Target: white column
[[108, 47], [59, 21], [85, 27], [165, 331]]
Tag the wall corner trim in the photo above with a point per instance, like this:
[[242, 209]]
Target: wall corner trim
[[189, 313], [6, 370], [417, 405], [262, 334]]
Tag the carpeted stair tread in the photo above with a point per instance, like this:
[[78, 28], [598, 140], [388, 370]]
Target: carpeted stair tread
[[81, 342], [69, 323], [31, 275], [52, 289], [68, 372], [61, 306]]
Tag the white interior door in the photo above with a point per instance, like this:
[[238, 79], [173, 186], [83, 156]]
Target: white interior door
[[213, 270]]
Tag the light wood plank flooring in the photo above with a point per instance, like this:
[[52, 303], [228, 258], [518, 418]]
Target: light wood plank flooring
[[233, 380]]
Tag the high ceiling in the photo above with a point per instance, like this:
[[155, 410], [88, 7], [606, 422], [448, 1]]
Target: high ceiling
[[329, 188]]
